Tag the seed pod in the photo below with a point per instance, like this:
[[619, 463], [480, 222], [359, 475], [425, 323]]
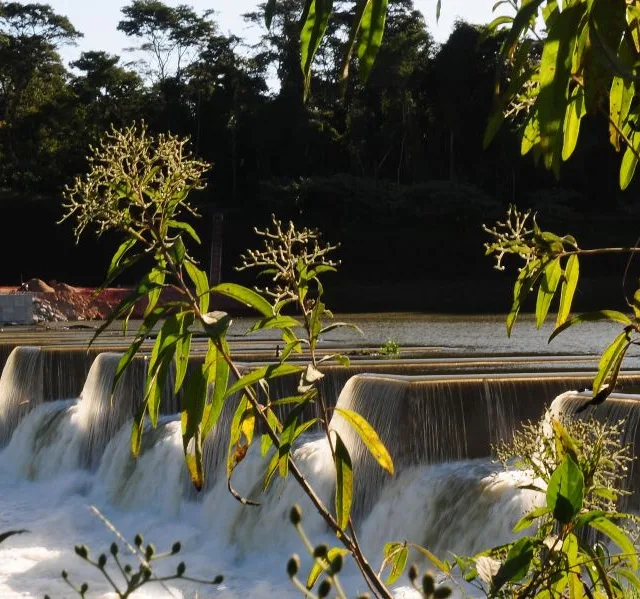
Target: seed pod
[[293, 565], [324, 589], [413, 572], [138, 540], [84, 588], [428, 585], [82, 551], [218, 579], [320, 551], [181, 568], [149, 551], [102, 560], [295, 515], [176, 548], [65, 574], [336, 564], [442, 593], [113, 549]]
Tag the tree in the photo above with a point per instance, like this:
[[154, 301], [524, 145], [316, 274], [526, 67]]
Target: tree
[[109, 93], [173, 36], [31, 76]]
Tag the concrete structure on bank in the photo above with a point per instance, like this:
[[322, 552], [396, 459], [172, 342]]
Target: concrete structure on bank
[[16, 308]]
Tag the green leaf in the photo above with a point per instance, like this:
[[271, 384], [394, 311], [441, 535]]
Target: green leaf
[[630, 577], [573, 116], [321, 565], [265, 372], [521, 22], [521, 289], [137, 429], [370, 35], [395, 554], [528, 519], [242, 426], [161, 358], [275, 425], [275, 322], [570, 548], [547, 289], [555, 72], [145, 328], [628, 164], [338, 325], [516, 565], [315, 19], [442, 566], [565, 491], [344, 482], [569, 286], [144, 287], [369, 437], [193, 460], [619, 537], [176, 224], [183, 348], [115, 266], [156, 276], [201, 282], [245, 296], [194, 399], [611, 315], [217, 370], [611, 361]]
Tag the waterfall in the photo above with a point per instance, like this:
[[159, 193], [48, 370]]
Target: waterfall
[[71, 448], [21, 388], [423, 420]]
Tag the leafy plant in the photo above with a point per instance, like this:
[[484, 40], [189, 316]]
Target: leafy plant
[[139, 185], [551, 263], [390, 349], [579, 476]]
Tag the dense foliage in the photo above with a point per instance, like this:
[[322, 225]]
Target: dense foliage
[[405, 145]]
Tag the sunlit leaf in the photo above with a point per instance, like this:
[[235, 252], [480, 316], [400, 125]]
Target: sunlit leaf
[[370, 35], [611, 315], [264, 372], [565, 491], [396, 554], [516, 566], [321, 565], [619, 537], [529, 518], [571, 277], [610, 361], [344, 482], [245, 296], [369, 437], [199, 279], [546, 291], [316, 17]]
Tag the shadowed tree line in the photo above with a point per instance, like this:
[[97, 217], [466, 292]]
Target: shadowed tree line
[[394, 168]]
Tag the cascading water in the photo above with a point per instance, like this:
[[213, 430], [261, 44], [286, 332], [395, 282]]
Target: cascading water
[[21, 388], [77, 452]]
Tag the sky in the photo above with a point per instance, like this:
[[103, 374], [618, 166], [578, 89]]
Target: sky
[[98, 19]]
